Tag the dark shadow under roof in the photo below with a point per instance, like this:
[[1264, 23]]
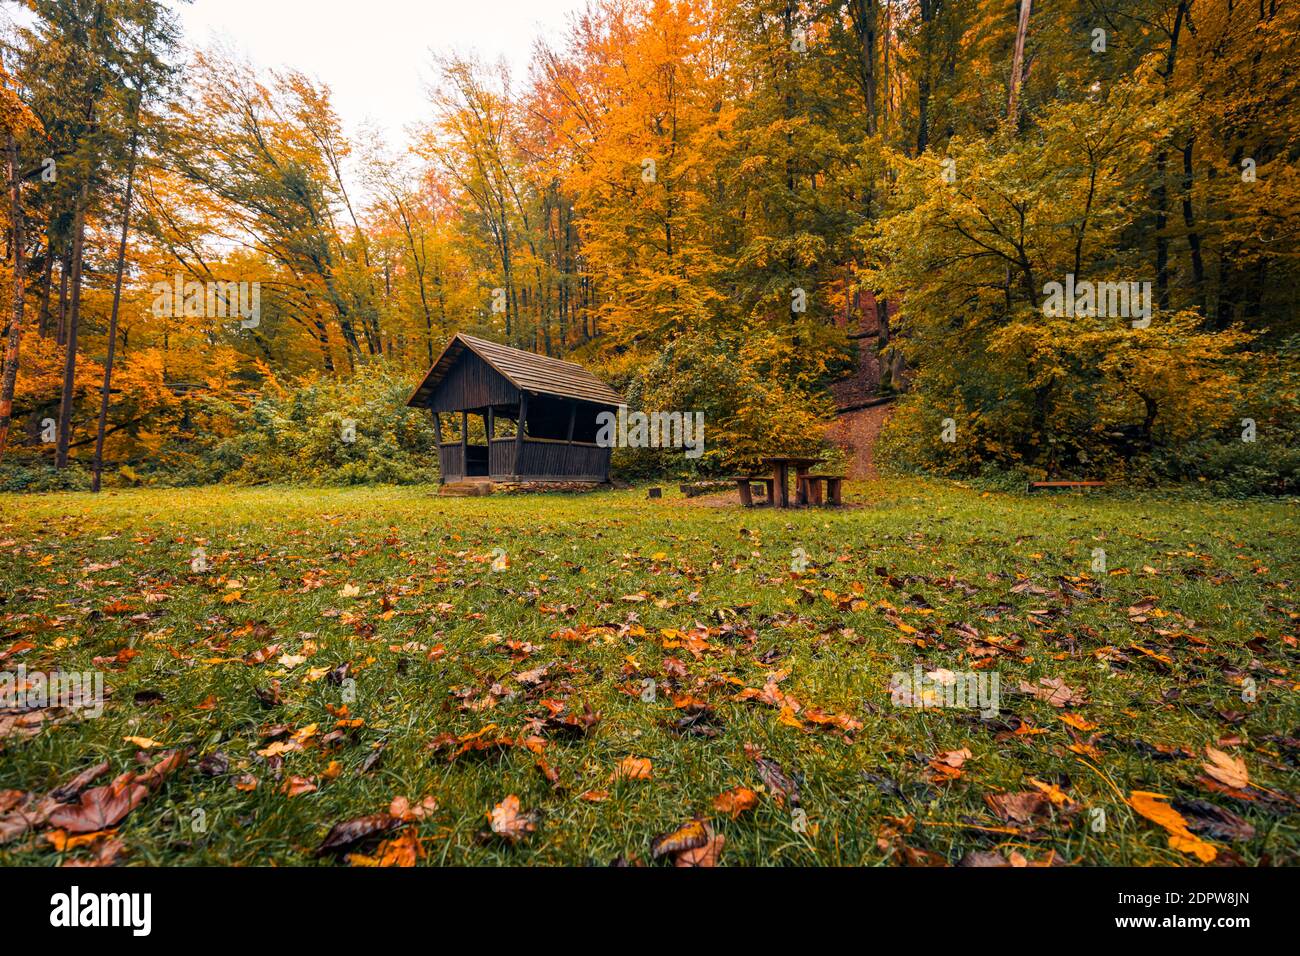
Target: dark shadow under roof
[[526, 371]]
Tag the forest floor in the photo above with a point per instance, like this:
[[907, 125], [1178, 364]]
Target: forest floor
[[380, 676]]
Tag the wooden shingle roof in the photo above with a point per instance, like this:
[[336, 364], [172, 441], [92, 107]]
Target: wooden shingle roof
[[526, 371]]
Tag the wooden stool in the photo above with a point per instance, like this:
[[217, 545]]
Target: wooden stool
[[746, 491], [811, 489]]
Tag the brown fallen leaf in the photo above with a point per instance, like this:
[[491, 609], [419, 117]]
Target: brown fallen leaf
[[347, 834], [81, 781], [1053, 691], [299, 786], [952, 758], [779, 784], [984, 858], [1018, 807], [1212, 820], [705, 855], [401, 851], [106, 854], [509, 822], [103, 807], [404, 810]]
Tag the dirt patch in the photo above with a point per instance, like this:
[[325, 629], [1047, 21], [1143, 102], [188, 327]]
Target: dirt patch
[[856, 432]]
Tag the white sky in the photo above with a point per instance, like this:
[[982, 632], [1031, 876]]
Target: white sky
[[375, 54]]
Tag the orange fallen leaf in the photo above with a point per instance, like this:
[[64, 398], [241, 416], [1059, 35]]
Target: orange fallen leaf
[[632, 768], [1078, 723], [735, 801]]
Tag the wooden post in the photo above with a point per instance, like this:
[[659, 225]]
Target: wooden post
[[519, 432], [568, 451], [437, 428], [490, 423], [464, 444]]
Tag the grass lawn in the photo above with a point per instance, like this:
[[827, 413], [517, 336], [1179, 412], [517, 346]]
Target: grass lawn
[[538, 623]]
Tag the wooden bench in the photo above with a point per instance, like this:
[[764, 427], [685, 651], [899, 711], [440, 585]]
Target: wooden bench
[[1050, 485], [746, 491], [810, 490]]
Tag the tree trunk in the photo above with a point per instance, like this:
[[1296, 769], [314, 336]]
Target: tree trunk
[[65, 266], [47, 285], [117, 302], [863, 13], [1189, 220], [928, 9], [74, 320], [1018, 62], [10, 378]]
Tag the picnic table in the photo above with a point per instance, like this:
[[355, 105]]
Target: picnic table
[[808, 487], [781, 465]]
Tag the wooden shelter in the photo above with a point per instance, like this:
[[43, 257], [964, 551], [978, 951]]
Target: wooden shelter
[[549, 407]]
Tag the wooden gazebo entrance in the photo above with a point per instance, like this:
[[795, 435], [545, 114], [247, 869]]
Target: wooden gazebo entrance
[[548, 405]]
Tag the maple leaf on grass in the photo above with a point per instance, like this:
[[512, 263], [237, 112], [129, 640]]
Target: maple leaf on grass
[[1228, 770]]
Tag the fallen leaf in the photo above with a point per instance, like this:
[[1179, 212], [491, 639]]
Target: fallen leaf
[[689, 836], [509, 822], [1228, 770], [632, 768], [347, 834], [1155, 807], [735, 801]]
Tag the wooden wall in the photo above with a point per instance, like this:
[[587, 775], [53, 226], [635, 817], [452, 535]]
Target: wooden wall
[[472, 383]]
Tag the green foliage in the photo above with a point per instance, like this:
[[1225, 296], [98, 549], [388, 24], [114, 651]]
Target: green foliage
[[754, 399], [296, 434], [39, 476]]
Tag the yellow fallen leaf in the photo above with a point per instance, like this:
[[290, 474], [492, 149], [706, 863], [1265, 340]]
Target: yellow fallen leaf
[[144, 743], [1154, 807]]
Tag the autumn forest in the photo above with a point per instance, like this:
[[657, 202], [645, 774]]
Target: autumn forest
[[760, 209]]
